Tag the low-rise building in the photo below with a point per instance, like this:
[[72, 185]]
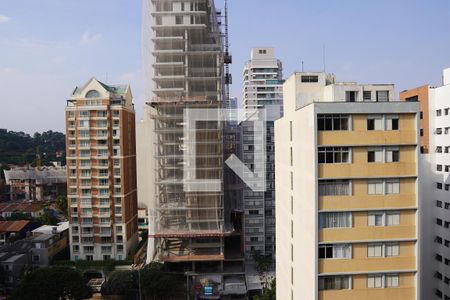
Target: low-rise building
[[31, 210], [35, 251], [13, 230], [39, 184]]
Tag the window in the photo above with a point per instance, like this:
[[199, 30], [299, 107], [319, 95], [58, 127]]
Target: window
[[83, 123], [392, 122], [375, 250], [330, 155], [367, 96], [421, 115], [391, 280], [375, 155], [36, 258], [438, 113], [290, 131], [375, 219], [333, 122], [439, 222], [375, 122], [310, 78], [392, 154], [178, 20], [380, 218], [334, 283], [336, 251], [334, 188], [374, 281], [392, 249], [350, 96], [375, 187], [438, 167], [438, 203], [446, 111], [438, 131], [380, 187], [392, 218], [439, 185], [382, 96], [393, 186], [335, 220]]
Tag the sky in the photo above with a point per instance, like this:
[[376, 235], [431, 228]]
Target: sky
[[48, 47]]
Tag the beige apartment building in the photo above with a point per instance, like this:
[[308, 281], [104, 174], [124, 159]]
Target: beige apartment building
[[101, 172], [347, 194]]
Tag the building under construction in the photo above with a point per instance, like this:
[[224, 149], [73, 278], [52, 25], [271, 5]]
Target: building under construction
[[197, 232]]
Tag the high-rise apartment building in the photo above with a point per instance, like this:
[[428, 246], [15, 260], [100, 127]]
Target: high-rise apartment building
[[101, 172], [192, 227], [347, 192], [263, 89], [435, 163]]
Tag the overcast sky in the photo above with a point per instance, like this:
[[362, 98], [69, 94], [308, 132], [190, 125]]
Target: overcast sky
[[47, 47]]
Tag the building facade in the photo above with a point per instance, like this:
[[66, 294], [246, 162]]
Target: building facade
[[435, 105], [347, 193], [101, 172], [191, 226], [263, 89], [39, 184]]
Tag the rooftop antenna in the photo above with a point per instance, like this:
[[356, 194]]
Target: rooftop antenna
[[303, 66], [227, 58]]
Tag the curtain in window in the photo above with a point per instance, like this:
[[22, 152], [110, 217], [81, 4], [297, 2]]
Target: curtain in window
[[334, 188], [335, 220], [342, 251]]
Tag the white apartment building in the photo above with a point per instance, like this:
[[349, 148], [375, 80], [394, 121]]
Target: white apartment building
[[436, 194], [263, 88], [347, 193]]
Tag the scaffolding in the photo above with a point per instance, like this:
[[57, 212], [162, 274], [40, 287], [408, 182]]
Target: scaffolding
[[187, 62]]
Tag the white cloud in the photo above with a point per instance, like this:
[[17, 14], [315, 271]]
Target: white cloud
[[4, 19], [88, 37]]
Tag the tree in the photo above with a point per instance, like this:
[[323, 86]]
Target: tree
[[48, 219], [18, 216], [61, 204], [122, 283], [269, 292], [53, 283], [263, 263], [157, 283]]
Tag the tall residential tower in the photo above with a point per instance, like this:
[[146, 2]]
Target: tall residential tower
[[263, 89], [101, 171], [347, 192], [435, 139]]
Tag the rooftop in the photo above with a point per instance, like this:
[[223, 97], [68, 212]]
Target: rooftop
[[48, 229], [13, 226], [20, 207], [43, 175]]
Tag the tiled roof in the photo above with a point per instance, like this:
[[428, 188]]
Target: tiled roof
[[20, 207], [13, 226]]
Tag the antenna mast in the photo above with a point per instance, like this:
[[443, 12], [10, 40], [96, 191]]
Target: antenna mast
[[227, 59]]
